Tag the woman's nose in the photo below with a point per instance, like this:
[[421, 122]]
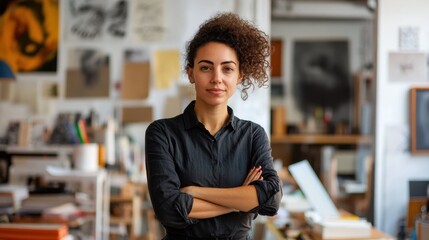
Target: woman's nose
[[217, 76]]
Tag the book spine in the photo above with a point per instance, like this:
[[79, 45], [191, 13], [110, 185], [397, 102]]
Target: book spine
[[82, 130], [71, 131]]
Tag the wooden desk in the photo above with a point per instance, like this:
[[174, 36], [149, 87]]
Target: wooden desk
[[375, 234]]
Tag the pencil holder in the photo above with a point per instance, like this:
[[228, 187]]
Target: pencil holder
[[85, 157]]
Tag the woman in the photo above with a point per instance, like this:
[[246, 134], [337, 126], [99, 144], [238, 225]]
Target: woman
[[209, 172]]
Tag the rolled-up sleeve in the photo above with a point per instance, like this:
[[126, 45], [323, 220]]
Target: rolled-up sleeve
[[269, 190], [170, 205]]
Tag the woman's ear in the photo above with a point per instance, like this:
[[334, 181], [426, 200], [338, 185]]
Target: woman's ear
[[190, 72], [240, 78]]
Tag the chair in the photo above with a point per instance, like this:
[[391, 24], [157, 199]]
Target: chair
[[344, 194]]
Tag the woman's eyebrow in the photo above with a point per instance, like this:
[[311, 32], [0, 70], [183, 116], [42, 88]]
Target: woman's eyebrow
[[210, 62], [206, 61]]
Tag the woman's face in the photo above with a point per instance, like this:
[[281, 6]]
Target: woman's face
[[216, 73]]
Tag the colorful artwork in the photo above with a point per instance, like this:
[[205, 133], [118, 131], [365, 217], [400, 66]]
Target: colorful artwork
[[29, 35]]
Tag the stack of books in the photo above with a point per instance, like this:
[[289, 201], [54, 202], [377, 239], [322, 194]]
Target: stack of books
[[20, 231], [342, 229], [11, 197]]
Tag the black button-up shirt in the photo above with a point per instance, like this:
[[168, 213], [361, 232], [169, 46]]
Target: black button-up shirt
[[181, 152]]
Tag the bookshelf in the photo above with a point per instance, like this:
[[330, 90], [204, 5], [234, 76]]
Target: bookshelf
[[128, 210], [93, 183], [97, 185]]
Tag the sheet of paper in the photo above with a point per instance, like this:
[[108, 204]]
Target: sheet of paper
[[135, 82], [167, 67], [137, 114]]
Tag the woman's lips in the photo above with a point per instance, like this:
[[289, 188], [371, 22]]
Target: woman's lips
[[216, 91]]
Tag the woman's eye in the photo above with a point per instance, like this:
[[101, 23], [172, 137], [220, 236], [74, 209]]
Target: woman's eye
[[204, 68], [228, 69]]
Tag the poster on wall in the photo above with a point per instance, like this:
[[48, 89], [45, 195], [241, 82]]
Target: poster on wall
[[148, 21], [29, 35], [321, 78], [96, 19], [87, 74]]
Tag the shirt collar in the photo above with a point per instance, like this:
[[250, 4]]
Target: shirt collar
[[191, 119]]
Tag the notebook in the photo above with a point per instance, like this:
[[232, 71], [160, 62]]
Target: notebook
[[313, 189]]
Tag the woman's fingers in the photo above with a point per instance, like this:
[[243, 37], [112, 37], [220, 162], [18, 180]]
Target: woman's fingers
[[254, 174]]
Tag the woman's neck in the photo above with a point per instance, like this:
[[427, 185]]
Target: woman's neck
[[213, 118]]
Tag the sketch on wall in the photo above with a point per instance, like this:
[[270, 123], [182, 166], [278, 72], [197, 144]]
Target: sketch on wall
[[148, 20], [408, 66], [96, 19], [409, 38], [87, 74], [29, 35], [321, 77], [419, 120]]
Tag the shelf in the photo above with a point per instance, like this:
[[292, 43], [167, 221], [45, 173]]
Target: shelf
[[121, 220], [42, 149], [321, 139], [121, 199]]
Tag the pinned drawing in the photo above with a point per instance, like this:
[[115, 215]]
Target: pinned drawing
[[408, 66], [96, 19], [148, 20], [87, 74]]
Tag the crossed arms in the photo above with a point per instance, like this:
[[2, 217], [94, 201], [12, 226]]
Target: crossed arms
[[211, 202]]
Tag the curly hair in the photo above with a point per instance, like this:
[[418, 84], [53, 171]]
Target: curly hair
[[250, 44]]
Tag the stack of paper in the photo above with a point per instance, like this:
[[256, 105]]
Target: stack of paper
[[342, 228]]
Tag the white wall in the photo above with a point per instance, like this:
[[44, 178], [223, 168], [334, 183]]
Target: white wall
[[395, 166], [182, 19]]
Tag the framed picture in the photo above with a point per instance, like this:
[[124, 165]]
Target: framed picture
[[321, 76], [419, 105], [276, 57]]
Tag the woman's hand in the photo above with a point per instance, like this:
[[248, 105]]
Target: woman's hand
[[254, 174]]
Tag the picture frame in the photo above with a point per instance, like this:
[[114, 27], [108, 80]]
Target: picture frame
[[419, 108], [321, 77], [276, 57]]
